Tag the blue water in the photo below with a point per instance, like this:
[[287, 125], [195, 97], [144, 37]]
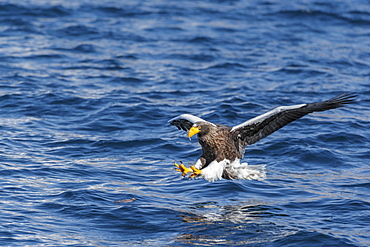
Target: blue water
[[87, 88]]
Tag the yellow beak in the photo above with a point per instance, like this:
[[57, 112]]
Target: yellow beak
[[192, 131]]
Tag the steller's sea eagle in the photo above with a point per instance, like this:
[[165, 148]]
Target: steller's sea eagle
[[223, 146]]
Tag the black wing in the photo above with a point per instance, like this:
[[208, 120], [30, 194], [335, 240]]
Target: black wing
[[257, 128]]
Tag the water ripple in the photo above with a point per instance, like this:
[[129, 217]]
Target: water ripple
[[87, 154]]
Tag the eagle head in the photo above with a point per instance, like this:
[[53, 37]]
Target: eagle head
[[202, 128]]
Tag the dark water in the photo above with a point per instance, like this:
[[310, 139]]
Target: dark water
[[86, 89]]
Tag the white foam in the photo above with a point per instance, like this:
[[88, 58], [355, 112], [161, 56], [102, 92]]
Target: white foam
[[235, 169], [239, 170]]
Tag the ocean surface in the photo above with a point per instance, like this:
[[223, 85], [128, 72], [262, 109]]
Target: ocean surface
[[87, 154]]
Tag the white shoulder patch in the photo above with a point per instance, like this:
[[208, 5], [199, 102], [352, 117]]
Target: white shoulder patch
[[190, 118], [266, 115]]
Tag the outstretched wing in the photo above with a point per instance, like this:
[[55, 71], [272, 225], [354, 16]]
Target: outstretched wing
[[185, 121], [259, 127]]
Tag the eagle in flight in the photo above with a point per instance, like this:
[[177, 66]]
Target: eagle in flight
[[223, 146]]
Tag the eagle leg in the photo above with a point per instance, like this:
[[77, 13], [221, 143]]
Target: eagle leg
[[196, 171], [183, 169]]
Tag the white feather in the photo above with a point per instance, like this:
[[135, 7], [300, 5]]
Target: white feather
[[198, 164], [235, 169], [214, 170]]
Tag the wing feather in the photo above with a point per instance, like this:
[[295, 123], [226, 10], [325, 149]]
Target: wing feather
[[259, 127]]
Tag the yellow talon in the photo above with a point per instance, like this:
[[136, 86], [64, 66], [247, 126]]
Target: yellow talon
[[183, 169], [196, 171]]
